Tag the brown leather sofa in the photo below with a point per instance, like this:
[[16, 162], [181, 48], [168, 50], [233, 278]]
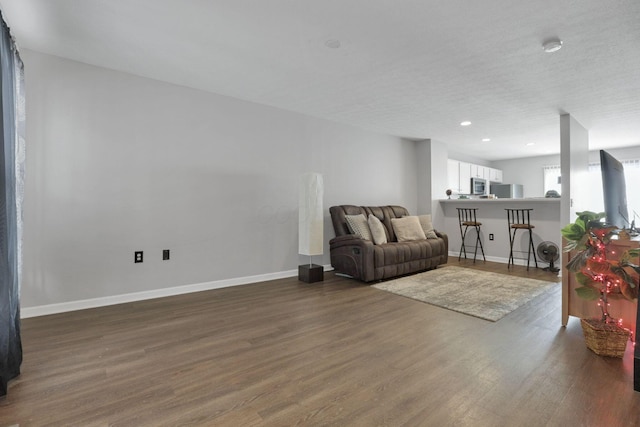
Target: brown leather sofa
[[366, 261]]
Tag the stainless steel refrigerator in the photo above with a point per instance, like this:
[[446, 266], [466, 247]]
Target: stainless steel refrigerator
[[507, 191]]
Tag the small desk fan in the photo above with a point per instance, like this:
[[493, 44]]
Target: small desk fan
[[549, 252]]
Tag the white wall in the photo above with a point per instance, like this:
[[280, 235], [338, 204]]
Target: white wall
[[574, 163], [527, 171], [463, 157], [626, 153], [118, 163], [431, 158]]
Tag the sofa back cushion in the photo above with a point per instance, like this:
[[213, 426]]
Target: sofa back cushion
[[338, 217]]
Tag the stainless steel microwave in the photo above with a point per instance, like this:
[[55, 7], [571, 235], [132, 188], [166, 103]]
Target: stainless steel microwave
[[478, 186]]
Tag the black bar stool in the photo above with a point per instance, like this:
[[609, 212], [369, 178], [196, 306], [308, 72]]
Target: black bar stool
[[520, 219], [467, 218]]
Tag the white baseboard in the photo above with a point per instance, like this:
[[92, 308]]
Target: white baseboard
[[44, 310], [64, 307]]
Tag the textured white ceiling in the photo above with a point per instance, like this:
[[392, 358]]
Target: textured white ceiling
[[411, 68]]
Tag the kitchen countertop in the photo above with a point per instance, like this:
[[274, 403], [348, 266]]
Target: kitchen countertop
[[524, 200], [491, 213]]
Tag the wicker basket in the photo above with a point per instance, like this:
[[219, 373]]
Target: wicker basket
[[605, 339]]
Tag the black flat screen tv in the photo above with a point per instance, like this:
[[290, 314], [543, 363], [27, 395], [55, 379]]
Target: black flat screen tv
[[614, 191]]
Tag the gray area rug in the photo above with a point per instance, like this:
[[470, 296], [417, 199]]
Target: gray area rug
[[489, 296]]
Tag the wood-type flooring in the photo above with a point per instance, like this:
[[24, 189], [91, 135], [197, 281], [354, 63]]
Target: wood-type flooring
[[335, 353]]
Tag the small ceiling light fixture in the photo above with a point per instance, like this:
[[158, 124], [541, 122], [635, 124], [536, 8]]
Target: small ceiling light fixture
[[486, 139], [465, 123], [529, 144], [332, 43], [552, 45]]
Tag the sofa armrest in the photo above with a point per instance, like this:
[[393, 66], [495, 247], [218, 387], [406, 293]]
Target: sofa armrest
[[444, 237], [353, 256]]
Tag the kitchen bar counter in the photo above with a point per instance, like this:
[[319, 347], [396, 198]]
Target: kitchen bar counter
[[510, 201], [491, 213]]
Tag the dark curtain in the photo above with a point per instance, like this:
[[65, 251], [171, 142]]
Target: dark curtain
[[11, 190]]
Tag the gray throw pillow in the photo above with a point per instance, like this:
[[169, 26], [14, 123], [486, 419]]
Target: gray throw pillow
[[408, 228], [377, 230], [358, 225], [427, 226]]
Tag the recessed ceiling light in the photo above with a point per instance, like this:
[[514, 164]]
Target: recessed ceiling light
[[465, 123], [552, 45], [486, 139], [332, 43], [529, 144]]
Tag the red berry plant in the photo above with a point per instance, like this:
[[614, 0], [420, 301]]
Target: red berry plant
[[600, 271]]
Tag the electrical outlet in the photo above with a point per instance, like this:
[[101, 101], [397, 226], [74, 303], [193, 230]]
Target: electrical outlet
[[491, 236], [165, 254], [137, 256]]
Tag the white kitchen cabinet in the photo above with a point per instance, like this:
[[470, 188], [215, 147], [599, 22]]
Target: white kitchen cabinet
[[495, 175], [487, 173], [490, 174], [453, 175], [459, 176], [465, 178], [477, 171]]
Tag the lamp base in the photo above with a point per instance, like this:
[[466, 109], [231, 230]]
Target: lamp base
[[310, 273]]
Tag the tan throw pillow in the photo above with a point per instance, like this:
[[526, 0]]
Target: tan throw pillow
[[377, 230], [408, 228], [427, 226], [358, 225]]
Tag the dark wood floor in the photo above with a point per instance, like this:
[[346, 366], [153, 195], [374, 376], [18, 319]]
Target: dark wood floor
[[338, 353]]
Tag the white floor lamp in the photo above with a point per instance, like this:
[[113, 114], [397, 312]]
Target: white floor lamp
[[310, 226]]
